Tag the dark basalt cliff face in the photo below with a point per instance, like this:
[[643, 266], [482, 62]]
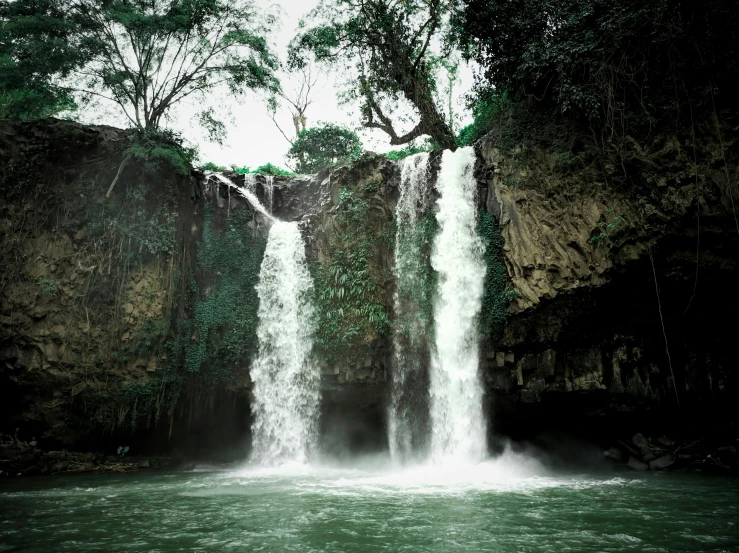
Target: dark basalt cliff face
[[593, 345], [101, 296]]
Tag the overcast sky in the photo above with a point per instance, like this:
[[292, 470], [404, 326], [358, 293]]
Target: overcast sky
[[253, 138]]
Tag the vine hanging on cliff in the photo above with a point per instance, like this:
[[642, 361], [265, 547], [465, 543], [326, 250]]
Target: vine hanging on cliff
[[495, 297]]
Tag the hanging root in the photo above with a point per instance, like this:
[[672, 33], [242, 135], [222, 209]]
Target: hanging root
[[664, 332], [117, 175]]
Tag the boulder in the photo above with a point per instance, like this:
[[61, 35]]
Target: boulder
[[635, 464], [661, 463], [647, 455], [60, 466], [640, 441], [9, 454], [613, 453]]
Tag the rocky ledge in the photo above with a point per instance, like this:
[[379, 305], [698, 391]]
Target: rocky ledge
[[664, 453]]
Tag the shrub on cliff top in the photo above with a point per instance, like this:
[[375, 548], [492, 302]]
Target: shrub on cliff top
[[324, 146], [161, 149]]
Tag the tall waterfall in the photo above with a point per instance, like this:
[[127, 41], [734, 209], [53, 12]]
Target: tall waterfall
[[404, 428], [458, 427], [286, 382], [269, 191]]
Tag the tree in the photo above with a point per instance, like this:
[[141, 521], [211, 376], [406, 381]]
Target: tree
[[299, 98], [609, 64], [148, 55], [34, 46], [389, 45], [151, 54], [322, 147]]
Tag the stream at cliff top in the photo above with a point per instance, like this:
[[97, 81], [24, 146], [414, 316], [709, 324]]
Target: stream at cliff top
[[503, 505]]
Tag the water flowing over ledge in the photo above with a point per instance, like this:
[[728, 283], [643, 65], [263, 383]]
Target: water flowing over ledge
[[286, 382], [457, 423], [404, 435], [248, 192]]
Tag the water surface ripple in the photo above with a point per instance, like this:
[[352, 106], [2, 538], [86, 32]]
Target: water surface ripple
[[506, 505]]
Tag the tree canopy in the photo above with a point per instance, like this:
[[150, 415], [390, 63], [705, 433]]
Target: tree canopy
[[323, 146], [35, 45], [145, 56], [391, 50], [602, 61]]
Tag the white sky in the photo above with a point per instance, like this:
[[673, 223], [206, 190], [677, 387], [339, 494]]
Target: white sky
[[253, 139]]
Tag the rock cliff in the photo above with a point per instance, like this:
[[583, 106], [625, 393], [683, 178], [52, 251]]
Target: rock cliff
[[126, 318]]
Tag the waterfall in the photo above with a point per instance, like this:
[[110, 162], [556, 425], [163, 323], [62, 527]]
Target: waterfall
[[250, 182], [458, 427], [286, 382], [247, 193], [405, 434], [269, 191]]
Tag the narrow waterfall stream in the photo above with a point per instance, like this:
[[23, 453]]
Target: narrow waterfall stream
[[250, 182], [457, 423], [269, 192], [286, 383], [248, 192], [404, 433]]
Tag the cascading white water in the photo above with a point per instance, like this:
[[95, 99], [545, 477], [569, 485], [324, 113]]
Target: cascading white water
[[250, 182], [403, 427], [248, 194], [457, 422], [286, 382], [269, 191]]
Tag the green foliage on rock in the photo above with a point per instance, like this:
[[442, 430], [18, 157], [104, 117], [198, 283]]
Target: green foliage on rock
[[324, 146], [266, 169], [137, 222], [415, 147], [495, 297], [210, 166], [606, 229], [160, 149], [50, 287], [270, 169], [221, 334], [348, 283], [402, 153]]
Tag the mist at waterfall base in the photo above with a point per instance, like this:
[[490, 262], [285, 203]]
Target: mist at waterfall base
[[507, 504]]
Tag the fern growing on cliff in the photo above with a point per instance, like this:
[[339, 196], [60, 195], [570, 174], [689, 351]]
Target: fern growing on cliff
[[495, 297], [221, 335], [349, 300]]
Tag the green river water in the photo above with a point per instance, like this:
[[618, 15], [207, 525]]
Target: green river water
[[510, 504]]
